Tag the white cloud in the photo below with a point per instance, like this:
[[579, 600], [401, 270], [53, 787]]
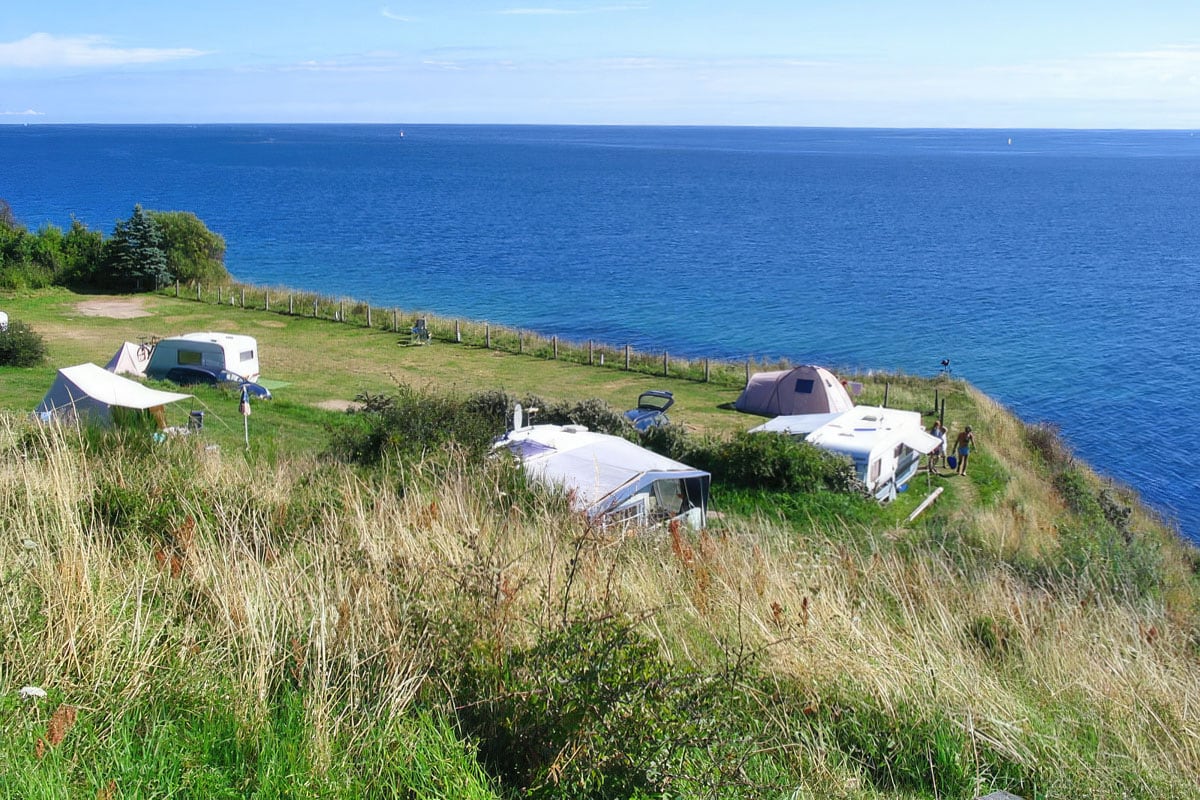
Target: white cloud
[[29, 112], [551, 11], [44, 50], [392, 15]]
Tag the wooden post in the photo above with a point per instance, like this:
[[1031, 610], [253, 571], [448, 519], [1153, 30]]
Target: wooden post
[[706, 372], [487, 336], [747, 372], [267, 299], [219, 300], [590, 354], [627, 357], [314, 308], [341, 310], [935, 399], [291, 305], [368, 315], [177, 288], [942, 414], [665, 363], [554, 341], [457, 332], [243, 297], [520, 343], [395, 322], [886, 386], [197, 291]]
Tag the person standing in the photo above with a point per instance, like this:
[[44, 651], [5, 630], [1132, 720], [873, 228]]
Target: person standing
[[963, 446], [939, 453]]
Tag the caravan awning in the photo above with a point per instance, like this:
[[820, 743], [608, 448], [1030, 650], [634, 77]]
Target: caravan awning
[[600, 471], [89, 385], [920, 441]]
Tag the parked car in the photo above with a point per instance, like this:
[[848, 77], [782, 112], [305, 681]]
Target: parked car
[[211, 376], [651, 410]]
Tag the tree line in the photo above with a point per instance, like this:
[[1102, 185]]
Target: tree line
[[148, 250]]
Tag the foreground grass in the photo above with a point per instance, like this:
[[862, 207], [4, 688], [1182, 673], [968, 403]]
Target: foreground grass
[[227, 627], [217, 622]]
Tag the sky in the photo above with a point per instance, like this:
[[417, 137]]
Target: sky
[[851, 63]]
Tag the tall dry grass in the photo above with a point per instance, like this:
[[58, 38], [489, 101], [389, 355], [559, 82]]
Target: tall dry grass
[[346, 585]]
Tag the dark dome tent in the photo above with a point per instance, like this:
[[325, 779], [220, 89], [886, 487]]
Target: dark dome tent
[[803, 390]]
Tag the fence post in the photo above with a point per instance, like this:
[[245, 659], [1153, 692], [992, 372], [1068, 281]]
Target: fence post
[[198, 287], [177, 288], [243, 297], [487, 336], [368, 315], [219, 300], [590, 358], [554, 340], [626, 356], [457, 332], [942, 416], [665, 362], [520, 343], [267, 299], [314, 308], [747, 372], [706, 369], [886, 386], [395, 321], [341, 310], [935, 399]]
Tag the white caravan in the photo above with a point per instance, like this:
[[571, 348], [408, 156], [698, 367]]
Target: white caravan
[[885, 444], [234, 352]]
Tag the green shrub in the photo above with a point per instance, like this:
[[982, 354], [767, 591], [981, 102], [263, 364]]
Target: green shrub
[[772, 461], [410, 425], [21, 346], [594, 711]]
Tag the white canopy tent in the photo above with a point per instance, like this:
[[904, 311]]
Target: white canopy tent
[[88, 390], [609, 477], [129, 360]]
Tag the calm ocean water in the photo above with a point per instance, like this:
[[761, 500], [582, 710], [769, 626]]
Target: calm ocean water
[[1058, 270]]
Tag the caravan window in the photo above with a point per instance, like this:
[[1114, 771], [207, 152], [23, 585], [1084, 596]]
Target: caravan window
[[247, 355], [875, 470], [189, 358], [804, 385]]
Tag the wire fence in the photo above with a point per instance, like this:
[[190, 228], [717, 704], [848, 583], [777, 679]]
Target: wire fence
[[474, 333]]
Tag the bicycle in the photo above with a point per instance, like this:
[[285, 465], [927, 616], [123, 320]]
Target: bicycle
[[146, 346]]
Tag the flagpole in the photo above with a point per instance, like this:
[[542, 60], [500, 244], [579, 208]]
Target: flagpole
[[244, 407]]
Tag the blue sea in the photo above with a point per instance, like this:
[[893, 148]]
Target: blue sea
[[1057, 270]]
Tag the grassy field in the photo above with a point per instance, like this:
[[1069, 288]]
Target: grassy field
[[217, 622]]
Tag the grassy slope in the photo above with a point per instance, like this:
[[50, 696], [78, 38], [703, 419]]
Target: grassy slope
[[990, 645]]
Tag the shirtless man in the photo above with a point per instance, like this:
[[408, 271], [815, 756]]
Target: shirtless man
[[963, 445]]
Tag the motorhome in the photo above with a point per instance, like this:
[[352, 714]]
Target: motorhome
[[235, 352], [885, 444]]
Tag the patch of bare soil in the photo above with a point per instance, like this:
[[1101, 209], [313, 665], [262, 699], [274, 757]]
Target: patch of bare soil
[[339, 405], [113, 307]]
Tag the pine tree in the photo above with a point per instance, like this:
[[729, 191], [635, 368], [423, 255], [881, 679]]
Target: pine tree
[[136, 257]]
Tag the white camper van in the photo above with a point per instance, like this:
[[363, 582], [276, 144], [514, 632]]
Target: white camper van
[[234, 352], [885, 444]]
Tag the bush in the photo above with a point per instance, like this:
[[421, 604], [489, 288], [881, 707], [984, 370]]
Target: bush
[[594, 711], [410, 425], [21, 346]]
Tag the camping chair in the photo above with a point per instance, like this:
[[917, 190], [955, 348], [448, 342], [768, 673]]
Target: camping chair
[[420, 333]]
